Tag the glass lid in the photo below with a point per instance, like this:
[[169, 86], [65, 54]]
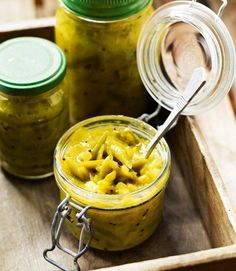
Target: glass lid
[[178, 38]]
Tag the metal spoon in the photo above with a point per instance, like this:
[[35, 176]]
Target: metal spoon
[[197, 81]]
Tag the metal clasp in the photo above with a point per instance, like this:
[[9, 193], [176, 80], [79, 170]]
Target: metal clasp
[[63, 212], [222, 7], [147, 117]]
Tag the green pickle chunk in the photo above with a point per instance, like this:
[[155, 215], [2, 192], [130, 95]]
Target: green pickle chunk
[[109, 160]]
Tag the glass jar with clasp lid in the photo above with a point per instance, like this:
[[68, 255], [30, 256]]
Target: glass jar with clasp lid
[[178, 38]]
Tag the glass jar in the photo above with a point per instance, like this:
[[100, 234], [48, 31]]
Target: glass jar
[[33, 105], [99, 39], [119, 221], [179, 37]]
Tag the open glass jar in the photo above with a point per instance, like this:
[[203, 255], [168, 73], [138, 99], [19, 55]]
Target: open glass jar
[[119, 221], [33, 105]]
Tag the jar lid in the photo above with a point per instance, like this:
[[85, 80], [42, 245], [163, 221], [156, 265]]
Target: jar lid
[[30, 66], [178, 38], [104, 9]]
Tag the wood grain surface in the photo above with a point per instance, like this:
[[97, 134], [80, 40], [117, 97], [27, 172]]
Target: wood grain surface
[[16, 10], [200, 204], [205, 184], [28, 208], [218, 259], [218, 127], [43, 28]]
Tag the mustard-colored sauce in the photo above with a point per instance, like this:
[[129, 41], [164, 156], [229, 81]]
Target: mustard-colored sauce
[[108, 160]]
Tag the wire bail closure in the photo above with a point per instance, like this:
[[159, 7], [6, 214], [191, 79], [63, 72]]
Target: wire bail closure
[[221, 9], [63, 212]]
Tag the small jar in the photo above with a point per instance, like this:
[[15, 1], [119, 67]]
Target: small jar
[[179, 37], [99, 39], [33, 105], [118, 221]]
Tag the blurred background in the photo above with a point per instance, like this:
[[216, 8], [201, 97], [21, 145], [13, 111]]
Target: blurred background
[[13, 11]]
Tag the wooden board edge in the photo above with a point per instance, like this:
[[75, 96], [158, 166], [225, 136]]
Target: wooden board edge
[[218, 127], [217, 259], [226, 214], [204, 181], [43, 28]]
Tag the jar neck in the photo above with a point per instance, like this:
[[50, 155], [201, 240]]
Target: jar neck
[[102, 11], [163, 47]]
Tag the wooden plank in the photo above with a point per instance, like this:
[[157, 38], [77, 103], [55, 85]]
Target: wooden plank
[[218, 127], [205, 183], [43, 28], [219, 259], [15, 10]]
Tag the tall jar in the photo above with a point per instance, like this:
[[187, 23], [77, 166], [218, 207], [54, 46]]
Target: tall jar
[[33, 105], [99, 39]]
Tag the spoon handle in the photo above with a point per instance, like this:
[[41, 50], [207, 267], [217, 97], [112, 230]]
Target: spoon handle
[[198, 79]]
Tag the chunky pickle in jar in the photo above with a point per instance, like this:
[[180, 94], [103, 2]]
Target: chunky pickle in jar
[[124, 189], [29, 130], [103, 77], [33, 105]]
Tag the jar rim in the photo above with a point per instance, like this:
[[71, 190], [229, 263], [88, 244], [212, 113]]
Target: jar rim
[[105, 10], [135, 123], [75, 16], [222, 53]]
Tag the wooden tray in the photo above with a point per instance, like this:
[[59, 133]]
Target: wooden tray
[[198, 230]]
